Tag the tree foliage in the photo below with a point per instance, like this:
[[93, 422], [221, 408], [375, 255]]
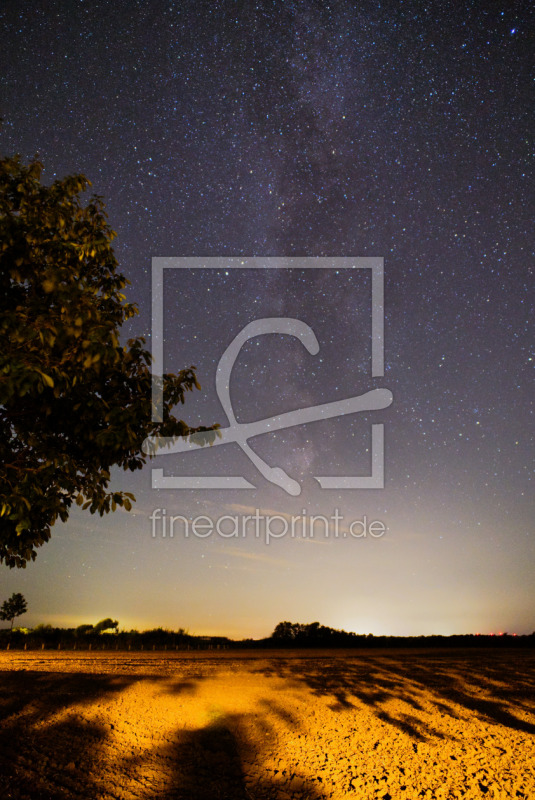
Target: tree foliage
[[311, 634], [74, 401], [107, 624], [14, 607], [83, 630]]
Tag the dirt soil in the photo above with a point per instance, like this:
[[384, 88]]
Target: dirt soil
[[271, 725]]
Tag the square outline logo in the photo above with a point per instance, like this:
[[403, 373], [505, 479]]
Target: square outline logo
[[375, 264]]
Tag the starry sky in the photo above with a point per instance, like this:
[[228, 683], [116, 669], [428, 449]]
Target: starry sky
[[398, 130]]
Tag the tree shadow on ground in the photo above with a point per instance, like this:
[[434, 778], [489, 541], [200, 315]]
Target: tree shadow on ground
[[47, 748], [211, 763], [56, 744], [226, 759], [494, 686], [57, 741]]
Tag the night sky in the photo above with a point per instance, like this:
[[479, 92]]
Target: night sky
[[399, 130]]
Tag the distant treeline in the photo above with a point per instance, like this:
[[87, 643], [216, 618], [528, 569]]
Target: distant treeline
[[89, 637], [296, 634], [103, 636]]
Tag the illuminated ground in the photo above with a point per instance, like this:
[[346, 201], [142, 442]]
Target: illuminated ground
[[267, 725]]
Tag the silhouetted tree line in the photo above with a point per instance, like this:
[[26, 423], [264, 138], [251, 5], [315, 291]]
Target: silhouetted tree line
[[105, 635], [312, 634]]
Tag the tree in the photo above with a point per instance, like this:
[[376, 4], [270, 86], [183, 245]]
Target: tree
[[83, 630], [14, 607], [106, 625], [74, 401], [285, 631]]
